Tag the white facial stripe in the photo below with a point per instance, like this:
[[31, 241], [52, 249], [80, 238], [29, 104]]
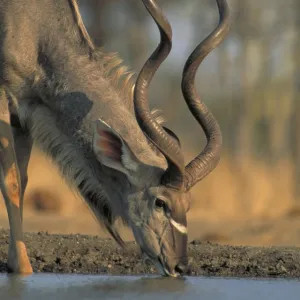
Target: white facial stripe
[[181, 228]]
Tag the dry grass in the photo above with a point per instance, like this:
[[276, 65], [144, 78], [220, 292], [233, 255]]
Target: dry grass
[[253, 190]]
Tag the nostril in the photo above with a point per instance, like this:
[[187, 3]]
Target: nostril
[[182, 268]]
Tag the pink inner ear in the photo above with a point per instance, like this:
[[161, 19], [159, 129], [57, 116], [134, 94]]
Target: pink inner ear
[[109, 145]]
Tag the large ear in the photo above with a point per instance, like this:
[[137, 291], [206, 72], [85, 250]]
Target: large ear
[[111, 150]]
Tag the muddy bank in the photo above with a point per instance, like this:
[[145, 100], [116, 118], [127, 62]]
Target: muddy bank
[[94, 255]]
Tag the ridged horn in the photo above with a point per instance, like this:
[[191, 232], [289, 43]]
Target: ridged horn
[[208, 159], [155, 132]]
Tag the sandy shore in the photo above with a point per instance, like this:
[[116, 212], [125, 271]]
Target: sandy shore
[[90, 254]]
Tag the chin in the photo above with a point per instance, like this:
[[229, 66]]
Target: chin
[[160, 266]]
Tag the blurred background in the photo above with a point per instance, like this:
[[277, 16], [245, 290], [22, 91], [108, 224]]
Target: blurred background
[[252, 85]]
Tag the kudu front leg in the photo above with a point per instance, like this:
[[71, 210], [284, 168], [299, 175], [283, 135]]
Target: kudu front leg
[[10, 184]]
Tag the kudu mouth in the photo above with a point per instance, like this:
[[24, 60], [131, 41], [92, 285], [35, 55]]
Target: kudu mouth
[[166, 270], [162, 267], [172, 262]]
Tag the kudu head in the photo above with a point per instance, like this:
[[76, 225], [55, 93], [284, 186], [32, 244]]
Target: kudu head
[[158, 209]]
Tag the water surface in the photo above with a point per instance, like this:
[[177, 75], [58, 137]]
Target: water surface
[[90, 287]]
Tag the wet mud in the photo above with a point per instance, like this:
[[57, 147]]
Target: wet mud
[[85, 254]]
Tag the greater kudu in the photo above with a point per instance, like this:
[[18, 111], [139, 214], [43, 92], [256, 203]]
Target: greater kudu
[[81, 107]]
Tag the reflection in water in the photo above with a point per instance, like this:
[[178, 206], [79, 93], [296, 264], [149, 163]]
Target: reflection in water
[[14, 286], [84, 287], [78, 286], [144, 285]]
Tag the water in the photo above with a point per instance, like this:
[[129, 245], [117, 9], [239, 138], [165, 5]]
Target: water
[[85, 287]]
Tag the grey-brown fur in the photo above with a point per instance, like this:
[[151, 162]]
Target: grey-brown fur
[[62, 87]]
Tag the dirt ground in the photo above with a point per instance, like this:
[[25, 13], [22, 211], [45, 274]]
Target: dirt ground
[[94, 255]]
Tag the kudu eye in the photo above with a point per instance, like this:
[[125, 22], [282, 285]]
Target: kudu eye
[[160, 204]]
